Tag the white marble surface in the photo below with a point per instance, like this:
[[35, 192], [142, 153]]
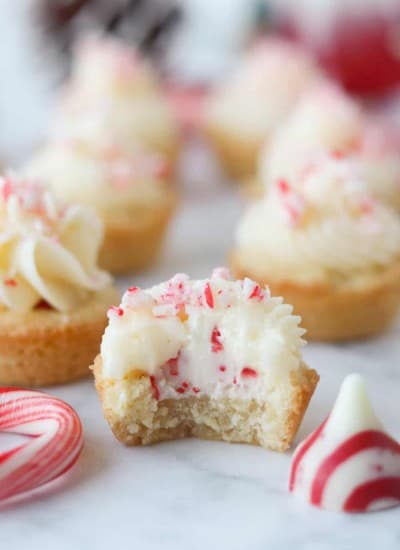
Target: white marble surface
[[195, 494]]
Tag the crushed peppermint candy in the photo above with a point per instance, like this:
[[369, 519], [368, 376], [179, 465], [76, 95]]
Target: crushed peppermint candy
[[30, 197], [155, 388], [209, 296], [10, 282], [216, 344], [176, 296], [189, 335], [292, 202], [367, 205], [115, 310], [248, 372]]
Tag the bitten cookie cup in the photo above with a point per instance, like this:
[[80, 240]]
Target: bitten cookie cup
[[329, 248], [143, 420], [53, 297], [133, 193], [202, 359], [243, 113]]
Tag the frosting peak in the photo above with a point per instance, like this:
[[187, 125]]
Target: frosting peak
[[264, 88], [46, 252], [325, 120], [106, 65]]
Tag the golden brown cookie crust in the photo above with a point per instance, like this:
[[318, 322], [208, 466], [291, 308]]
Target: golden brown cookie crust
[[337, 312], [237, 154], [132, 244], [142, 420], [45, 347]]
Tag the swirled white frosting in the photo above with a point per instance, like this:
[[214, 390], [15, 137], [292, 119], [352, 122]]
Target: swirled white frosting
[[203, 336], [327, 226], [103, 65], [324, 120], [108, 178], [113, 94], [46, 253], [263, 90], [327, 122]]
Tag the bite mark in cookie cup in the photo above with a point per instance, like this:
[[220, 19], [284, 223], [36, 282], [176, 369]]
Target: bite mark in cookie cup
[[214, 358]]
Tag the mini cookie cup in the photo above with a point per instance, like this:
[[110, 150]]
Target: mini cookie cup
[[45, 347]]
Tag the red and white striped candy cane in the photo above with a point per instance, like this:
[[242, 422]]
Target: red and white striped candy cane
[[54, 445]]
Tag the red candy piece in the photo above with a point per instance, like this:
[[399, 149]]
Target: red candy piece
[[209, 296], [248, 372], [156, 391], [257, 293], [54, 445], [216, 344], [117, 310], [283, 186], [172, 365]]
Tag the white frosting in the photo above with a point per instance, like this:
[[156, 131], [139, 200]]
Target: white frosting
[[327, 122], [114, 95], [263, 90], [213, 336], [103, 65], [352, 414], [148, 121], [327, 227], [108, 178], [379, 161], [46, 253]]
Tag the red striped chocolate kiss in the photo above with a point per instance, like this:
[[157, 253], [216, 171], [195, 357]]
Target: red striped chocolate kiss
[[54, 445], [349, 463]]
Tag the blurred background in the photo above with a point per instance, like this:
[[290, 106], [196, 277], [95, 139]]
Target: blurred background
[[193, 42]]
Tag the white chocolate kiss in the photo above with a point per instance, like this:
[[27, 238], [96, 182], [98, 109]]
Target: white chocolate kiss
[[328, 476], [214, 336]]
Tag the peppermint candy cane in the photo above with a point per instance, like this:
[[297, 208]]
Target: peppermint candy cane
[[54, 445]]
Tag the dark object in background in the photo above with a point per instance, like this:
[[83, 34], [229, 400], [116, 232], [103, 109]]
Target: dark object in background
[[149, 24]]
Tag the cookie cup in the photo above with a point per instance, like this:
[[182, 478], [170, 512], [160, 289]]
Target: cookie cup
[[238, 154], [45, 347], [136, 417], [337, 311], [133, 237]]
